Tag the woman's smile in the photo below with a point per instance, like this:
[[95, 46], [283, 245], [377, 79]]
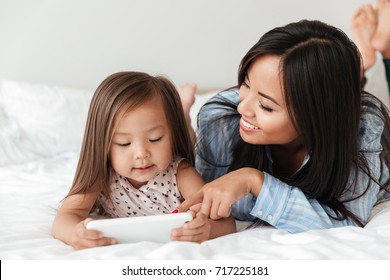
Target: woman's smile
[[247, 127]]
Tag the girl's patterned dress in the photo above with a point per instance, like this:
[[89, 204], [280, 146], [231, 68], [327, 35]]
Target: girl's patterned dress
[[158, 196]]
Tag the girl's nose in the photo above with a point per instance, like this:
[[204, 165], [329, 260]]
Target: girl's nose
[[141, 152]]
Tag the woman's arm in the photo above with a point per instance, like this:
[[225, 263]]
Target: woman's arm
[[283, 206], [201, 228], [277, 203], [251, 194]]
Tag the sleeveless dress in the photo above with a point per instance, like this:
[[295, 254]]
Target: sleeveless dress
[[160, 195]]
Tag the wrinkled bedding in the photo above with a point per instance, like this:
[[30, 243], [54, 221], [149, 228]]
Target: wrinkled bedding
[[30, 194], [40, 133]]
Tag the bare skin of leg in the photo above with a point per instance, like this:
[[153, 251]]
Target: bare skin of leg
[[187, 97], [363, 26], [381, 38]]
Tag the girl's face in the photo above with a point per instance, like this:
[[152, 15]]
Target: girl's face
[[264, 116], [141, 145]]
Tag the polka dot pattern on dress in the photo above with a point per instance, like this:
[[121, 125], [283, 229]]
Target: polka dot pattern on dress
[[158, 196]]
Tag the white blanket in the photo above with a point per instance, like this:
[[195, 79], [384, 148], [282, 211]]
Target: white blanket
[[30, 194], [32, 186]]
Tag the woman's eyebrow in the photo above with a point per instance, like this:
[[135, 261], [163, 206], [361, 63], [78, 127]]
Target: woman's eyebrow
[[268, 97]]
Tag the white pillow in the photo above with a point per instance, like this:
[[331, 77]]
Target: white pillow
[[40, 121], [380, 216]]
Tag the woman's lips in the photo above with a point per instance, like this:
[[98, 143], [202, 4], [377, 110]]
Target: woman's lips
[[248, 127]]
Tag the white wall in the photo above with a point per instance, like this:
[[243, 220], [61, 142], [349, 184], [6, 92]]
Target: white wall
[[77, 43]]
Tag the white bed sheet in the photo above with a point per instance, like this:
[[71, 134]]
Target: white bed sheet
[[33, 181], [31, 192]]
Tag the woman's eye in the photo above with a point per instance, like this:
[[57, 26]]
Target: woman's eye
[[155, 140], [245, 84], [265, 108]]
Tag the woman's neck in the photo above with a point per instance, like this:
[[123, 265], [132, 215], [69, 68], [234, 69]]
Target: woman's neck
[[287, 159]]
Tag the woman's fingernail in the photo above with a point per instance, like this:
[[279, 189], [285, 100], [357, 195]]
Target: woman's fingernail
[[175, 211]]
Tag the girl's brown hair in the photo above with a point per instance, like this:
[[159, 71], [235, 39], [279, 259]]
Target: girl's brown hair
[[116, 95]]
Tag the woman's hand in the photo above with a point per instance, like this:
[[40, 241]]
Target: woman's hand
[[85, 238], [218, 196]]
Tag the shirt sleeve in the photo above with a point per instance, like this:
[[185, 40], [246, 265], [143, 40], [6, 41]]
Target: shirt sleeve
[[287, 208], [217, 136]]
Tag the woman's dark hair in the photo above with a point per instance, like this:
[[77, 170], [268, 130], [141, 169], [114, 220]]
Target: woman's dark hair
[[320, 76]]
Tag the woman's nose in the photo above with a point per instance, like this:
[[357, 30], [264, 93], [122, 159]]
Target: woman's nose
[[246, 105]]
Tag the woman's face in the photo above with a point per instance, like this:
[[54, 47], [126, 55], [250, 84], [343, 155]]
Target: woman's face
[[264, 116]]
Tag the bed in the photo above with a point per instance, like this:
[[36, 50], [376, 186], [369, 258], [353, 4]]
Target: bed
[[41, 129]]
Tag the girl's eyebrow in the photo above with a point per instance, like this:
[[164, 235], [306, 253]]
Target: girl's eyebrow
[[149, 130], [268, 97]]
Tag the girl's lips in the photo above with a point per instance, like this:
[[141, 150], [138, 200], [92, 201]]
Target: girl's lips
[[143, 169], [248, 127]]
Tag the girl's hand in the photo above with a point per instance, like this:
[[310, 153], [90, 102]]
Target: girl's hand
[[218, 196], [197, 230], [85, 238]]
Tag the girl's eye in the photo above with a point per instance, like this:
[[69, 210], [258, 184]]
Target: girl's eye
[[123, 144], [155, 140], [267, 109]]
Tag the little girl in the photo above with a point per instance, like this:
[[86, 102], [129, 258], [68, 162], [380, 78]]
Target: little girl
[[136, 159]]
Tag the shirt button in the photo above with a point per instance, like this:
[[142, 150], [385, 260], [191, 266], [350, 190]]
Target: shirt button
[[269, 217], [260, 213]]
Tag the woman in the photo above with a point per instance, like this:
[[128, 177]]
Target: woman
[[296, 144]]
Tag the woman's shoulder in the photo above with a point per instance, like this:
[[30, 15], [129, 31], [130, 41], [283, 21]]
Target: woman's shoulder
[[228, 95], [220, 107], [373, 110], [371, 101], [219, 111], [374, 119], [225, 101]]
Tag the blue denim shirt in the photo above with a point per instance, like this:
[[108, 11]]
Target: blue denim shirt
[[283, 206]]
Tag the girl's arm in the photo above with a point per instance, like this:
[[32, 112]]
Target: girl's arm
[[201, 228], [70, 222]]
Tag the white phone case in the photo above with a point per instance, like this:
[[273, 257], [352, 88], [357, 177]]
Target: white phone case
[[155, 228]]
